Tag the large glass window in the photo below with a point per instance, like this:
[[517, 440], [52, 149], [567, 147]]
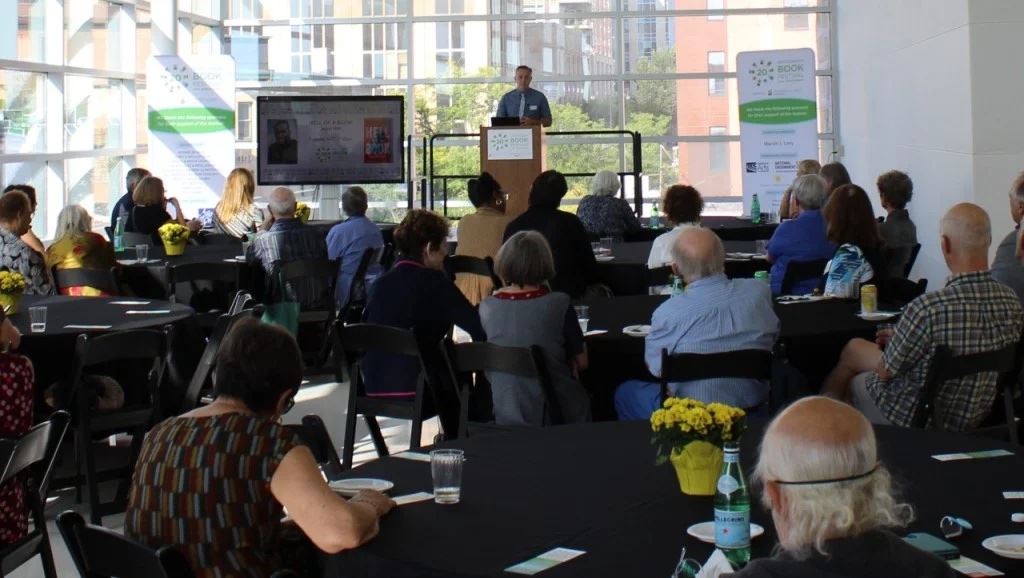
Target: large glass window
[[22, 112], [21, 30]]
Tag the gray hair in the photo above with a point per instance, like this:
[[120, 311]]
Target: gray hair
[[605, 184], [282, 203], [354, 201], [700, 259], [134, 176], [73, 219], [809, 191], [1017, 189], [525, 259]]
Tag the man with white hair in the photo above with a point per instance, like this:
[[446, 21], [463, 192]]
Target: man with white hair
[[1006, 268], [831, 500], [801, 239], [715, 314], [973, 313], [289, 239]]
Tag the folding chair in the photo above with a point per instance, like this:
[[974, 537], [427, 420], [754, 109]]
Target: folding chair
[[352, 312], [314, 434], [101, 553], [201, 383], [319, 310], [800, 271], [739, 364], [104, 280]]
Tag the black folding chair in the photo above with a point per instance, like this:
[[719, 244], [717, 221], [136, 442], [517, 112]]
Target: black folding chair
[[320, 311], [661, 276], [352, 312], [913, 258], [800, 271], [104, 280], [455, 264], [314, 434], [201, 383], [101, 553], [739, 364], [32, 455], [466, 360], [351, 343], [387, 257], [219, 239]]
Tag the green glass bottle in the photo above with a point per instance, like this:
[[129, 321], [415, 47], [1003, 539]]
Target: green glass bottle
[[655, 221], [732, 509], [755, 210]]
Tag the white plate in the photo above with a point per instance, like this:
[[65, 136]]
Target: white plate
[[604, 258], [705, 531], [877, 315], [353, 486], [1007, 545], [636, 330]]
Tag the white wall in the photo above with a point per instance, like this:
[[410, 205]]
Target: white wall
[[924, 88]]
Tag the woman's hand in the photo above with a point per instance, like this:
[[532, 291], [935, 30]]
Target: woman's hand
[[381, 503], [10, 337]]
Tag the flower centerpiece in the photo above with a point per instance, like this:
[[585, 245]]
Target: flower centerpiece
[[174, 237], [302, 212], [12, 286], [690, 434]]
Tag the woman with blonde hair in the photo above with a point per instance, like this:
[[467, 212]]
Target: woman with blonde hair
[[76, 246], [236, 214]]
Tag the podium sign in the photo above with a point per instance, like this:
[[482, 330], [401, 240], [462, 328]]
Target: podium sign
[[510, 144]]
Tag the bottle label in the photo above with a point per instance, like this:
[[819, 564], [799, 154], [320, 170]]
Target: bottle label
[[732, 528], [727, 484]]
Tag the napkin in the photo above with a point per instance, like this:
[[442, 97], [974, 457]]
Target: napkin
[[74, 326], [129, 302], [413, 498], [716, 566], [148, 311]]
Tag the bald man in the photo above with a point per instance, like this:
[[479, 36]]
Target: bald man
[[819, 464], [971, 314], [714, 314]]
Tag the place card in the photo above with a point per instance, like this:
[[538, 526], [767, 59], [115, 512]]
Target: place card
[[548, 559], [129, 302], [414, 456], [413, 498], [972, 568], [74, 326], [147, 311], [595, 332], [972, 455], [1013, 495]]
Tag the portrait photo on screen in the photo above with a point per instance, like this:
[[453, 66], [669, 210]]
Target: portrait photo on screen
[[284, 149]]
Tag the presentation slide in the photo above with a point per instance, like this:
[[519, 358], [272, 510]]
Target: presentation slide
[[330, 139]]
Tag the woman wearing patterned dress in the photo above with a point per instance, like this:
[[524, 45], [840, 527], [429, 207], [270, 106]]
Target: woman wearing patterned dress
[[16, 378], [15, 255], [602, 212]]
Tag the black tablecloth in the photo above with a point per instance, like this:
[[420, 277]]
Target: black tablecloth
[[627, 272], [151, 279], [595, 487], [728, 228]]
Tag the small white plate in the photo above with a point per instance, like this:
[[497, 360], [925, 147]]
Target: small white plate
[[878, 315], [705, 531], [1007, 545], [636, 330], [604, 258], [353, 486]]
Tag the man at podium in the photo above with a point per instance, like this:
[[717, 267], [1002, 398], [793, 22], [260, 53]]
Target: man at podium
[[525, 103]]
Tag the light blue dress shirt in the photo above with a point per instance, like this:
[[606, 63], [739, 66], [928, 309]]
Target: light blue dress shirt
[[535, 107], [348, 241]]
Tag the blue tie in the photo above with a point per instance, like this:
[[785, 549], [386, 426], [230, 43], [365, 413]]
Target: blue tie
[[522, 104]]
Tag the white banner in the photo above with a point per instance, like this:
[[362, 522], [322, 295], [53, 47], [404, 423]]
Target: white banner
[[191, 126], [778, 114], [510, 144]]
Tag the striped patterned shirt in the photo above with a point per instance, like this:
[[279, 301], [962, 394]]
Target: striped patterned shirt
[[973, 313], [203, 486]]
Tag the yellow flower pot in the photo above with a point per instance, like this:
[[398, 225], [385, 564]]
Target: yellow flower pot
[[697, 466], [172, 249], [10, 301]]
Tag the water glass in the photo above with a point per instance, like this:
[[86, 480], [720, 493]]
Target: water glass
[[596, 247], [583, 316], [761, 246], [142, 253], [37, 318], [446, 469], [606, 244]]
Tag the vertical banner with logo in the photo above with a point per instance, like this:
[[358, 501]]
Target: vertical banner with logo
[[778, 120], [191, 126]]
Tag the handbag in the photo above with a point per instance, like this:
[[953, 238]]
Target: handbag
[[284, 313]]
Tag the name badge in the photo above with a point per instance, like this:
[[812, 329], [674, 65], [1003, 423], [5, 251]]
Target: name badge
[[533, 107]]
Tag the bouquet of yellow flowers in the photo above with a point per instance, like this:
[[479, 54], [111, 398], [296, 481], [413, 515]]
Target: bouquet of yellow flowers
[[173, 233], [12, 283], [683, 420], [302, 212]]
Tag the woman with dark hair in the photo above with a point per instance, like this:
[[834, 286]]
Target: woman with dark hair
[[835, 176], [575, 265], [899, 234], [150, 210], [480, 234], [602, 212], [850, 224], [230, 469], [30, 238], [15, 255], [682, 206]]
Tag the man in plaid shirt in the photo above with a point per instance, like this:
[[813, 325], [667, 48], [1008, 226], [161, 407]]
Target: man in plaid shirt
[[973, 313]]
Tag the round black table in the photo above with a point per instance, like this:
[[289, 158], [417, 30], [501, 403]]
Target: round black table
[[728, 228], [594, 487], [627, 272], [150, 279]]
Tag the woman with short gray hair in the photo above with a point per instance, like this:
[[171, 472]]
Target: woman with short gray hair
[[602, 212], [525, 312]]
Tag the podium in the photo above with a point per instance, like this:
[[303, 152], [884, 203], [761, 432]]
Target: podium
[[514, 155]]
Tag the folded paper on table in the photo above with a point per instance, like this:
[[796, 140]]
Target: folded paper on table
[[75, 326], [972, 455], [414, 456], [595, 332], [1013, 495], [972, 568], [413, 498], [148, 312], [129, 302], [548, 559]]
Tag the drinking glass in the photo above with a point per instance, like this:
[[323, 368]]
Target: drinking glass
[[142, 253], [446, 469], [606, 244], [583, 315], [37, 318]]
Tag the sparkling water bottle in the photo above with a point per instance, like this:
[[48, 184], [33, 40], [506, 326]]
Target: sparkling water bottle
[[119, 233], [655, 221], [732, 509], [755, 210]]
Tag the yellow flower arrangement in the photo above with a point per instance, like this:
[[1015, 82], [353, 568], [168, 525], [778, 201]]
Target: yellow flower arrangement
[[173, 233], [302, 212], [12, 283], [682, 420]]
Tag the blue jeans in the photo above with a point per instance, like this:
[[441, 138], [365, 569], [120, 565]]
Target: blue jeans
[[637, 400]]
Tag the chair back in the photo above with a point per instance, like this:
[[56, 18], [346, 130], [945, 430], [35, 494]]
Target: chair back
[[913, 258], [387, 257], [192, 272], [739, 364], [242, 300], [352, 311], [130, 238], [135, 344], [104, 280], [204, 370], [946, 367], [800, 271], [101, 553], [354, 340], [314, 434], [321, 273], [454, 264]]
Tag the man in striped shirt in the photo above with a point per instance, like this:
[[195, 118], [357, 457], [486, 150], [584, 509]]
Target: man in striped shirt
[[973, 313]]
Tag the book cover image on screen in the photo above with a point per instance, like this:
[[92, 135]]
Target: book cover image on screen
[[330, 140]]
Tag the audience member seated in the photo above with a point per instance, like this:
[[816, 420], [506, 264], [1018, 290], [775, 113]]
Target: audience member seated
[[417, 294], [348, 240], [715, 314], [29, 237], [832, 501], [1006, 268], [125, 204], [150, 210], [480, 234], [76, 247], [851, 224], [787, 208], [16, 383], [835, 175], [214, 482], [289, 239], [15, 255], [973, 313], [575, 266], [803, 238], [524, 313], [236, 213], [899, 235], [682, 206], [602, 212]]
